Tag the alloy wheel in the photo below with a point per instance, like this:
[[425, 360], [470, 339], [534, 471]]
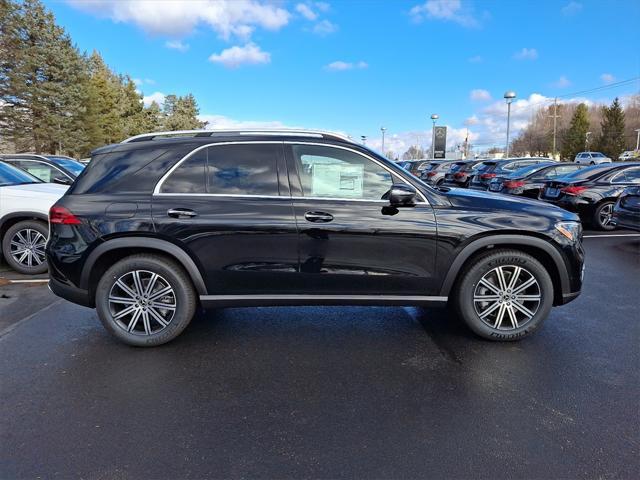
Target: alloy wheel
[[606, 214], [27, 247], [142, 302], [507, 297]]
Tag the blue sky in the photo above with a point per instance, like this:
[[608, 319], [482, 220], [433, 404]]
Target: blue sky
[[354, 66]]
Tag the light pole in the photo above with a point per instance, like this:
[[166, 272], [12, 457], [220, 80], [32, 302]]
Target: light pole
[[382, 129], [434, 118], [508, 96], [586, 141], [638, 139], [364, 139]]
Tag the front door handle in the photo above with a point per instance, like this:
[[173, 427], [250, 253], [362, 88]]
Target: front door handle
[[318, 217], [181, 213]]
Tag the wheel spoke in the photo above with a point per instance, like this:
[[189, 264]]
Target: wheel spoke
[[145, 322], [151, 284], [134, 320], [125, 288], [486, 298], [137, 282], [512, 316], [123, 300], [501, 280], [127, 311], [488, 285], [527, 298], [160, 293], [524, 286], [490, 309], [514, 278], [499, 316], [523, 309], [157, 317], [164, 306]]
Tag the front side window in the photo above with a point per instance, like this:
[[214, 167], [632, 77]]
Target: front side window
[[329, 172], [40, 170]]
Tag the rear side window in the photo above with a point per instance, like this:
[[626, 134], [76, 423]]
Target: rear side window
[[243, 169], [189, 177]]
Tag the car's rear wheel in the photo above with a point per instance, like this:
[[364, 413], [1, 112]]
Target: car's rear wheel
[[145, 300], [23, 247], [602, 216], [504, 295]]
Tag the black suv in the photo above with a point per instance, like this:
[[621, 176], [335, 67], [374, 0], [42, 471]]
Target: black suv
[[159, 225]]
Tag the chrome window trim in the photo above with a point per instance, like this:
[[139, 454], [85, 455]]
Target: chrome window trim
[[156, 190]]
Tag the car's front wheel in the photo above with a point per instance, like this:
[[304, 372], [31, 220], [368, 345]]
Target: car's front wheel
[[504, 295], [602, 216], [23, 247], [145, 300]]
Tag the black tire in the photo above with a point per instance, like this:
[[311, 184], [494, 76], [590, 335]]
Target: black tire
[[151, 332], [602, 215], [33, 235], [484, 267]]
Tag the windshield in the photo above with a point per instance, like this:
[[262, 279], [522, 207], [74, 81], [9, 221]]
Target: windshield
[[68, 164], [597, 155], [10, 175]]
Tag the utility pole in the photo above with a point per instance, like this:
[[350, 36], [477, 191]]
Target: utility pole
[[638, 139], [586, 141], [364, 139], [466, 145], [434, 118], [555, 124]]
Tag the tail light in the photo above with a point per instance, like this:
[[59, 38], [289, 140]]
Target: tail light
[[514, 184], [575, 190], [431, 174], [458, 175], [62, 216], [487, 175]]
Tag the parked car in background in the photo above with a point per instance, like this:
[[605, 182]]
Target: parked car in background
[[48, 168], [490, 169], [24, 206], [414, 167], [435, 172], [626, 212], [592, 192], [592, 158], [629, 155], [528, 181], [460, 173], [313, 218]]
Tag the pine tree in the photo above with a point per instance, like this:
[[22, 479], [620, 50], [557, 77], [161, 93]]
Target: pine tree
[[611, 141], [574, 137], [181, 113]]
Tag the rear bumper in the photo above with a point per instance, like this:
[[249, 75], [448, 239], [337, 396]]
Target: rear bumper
[[71, 293]]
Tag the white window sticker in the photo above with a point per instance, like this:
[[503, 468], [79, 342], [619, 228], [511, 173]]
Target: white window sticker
[[337, 180]]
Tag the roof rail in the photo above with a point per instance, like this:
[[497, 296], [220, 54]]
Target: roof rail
[[210, 133]]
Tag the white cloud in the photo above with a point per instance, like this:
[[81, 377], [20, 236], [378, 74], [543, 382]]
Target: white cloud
[[607, 78], [571, 8], [233, 57], [398, 143], [223, 122], [479, 95], [228, 18], [139, 82], [475, 59], [472, 120], [526, 54], [324, 27], [177, 45], [340, 66], [562, 82], [157, 97], [306, 11], [448, 10]]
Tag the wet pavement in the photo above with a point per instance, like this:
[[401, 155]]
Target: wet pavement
[[328, 392]]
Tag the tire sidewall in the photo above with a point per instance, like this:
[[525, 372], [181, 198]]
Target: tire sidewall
[[6, 246], [185, 300], [488, 263]]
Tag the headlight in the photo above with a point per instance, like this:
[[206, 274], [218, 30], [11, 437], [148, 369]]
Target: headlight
[[570, 230]]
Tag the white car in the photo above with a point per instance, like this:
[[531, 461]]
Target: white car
[[629, 155], [591, 158], [24, 217]]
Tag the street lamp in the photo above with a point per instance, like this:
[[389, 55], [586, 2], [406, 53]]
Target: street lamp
[[382, 129], [364, 139], [638, 139], [434, 117], [586, 141], [508, 96]]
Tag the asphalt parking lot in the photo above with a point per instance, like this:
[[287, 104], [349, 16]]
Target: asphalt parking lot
[[328, 392]]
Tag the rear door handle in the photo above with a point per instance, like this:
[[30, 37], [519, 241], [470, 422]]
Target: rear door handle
[[318, 217], [181, 213]]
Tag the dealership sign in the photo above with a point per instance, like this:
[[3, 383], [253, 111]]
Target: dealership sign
[[440, 142]]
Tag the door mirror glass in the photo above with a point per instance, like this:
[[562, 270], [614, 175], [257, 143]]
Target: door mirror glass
[[402, 195]]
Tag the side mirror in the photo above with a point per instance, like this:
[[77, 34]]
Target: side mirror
[[61, 181], [402, 195]]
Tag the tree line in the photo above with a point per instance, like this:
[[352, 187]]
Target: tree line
[[609, 129], [56, 99]]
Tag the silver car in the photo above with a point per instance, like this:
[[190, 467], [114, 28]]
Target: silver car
[[592, 158]]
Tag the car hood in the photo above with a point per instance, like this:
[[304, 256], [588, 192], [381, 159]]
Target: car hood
[[481, 200], [35, 190]]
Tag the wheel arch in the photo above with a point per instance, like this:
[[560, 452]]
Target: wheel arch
[[540, 249], [11, 219], [106, 254]]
